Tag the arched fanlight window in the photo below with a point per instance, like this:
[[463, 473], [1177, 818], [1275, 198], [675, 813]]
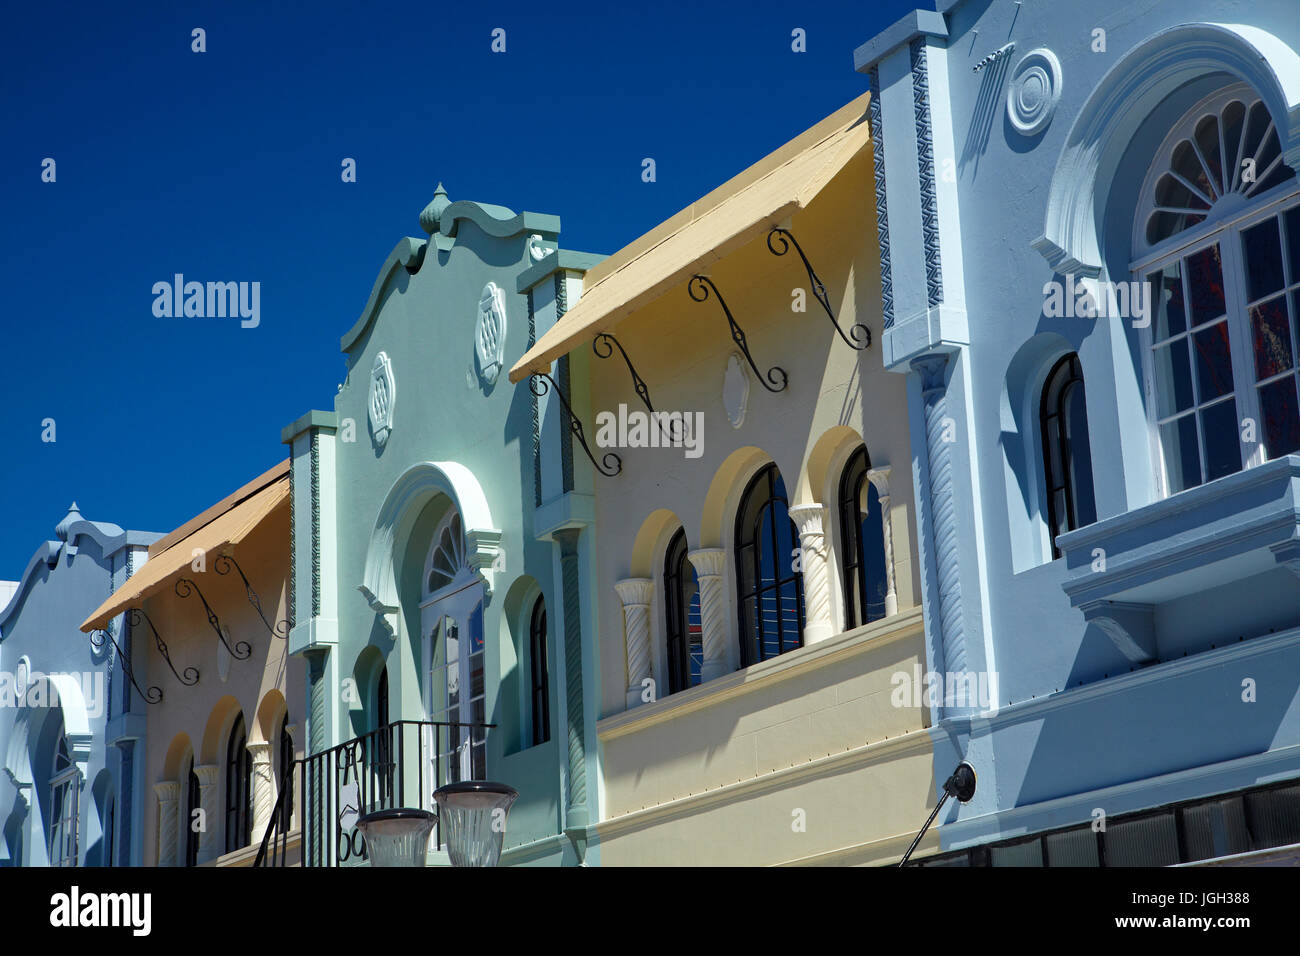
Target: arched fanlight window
[[1218, 241], [284, 763], [682, 616], [192, 803], [446, 557], [769, 587], [239, 787], [539, 677], [1067, 457], [862, 543], [65, 812]]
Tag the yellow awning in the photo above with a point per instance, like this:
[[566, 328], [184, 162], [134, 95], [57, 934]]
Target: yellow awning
[[220, 527], [748, 205]]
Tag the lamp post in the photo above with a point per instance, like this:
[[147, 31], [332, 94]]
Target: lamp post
[[398, 837], [474, 813]]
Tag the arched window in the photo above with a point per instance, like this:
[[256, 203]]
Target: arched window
[[286, 763], [1067, 459], [239, 786], [682, 616], [539, 677], [862, 541], [770, 589], [1218, 241], [385, 765], [187, 820], [65, 814], [381, 699]]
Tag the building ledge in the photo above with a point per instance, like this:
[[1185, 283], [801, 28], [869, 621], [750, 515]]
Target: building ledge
[[1121, 569], [796, 663]]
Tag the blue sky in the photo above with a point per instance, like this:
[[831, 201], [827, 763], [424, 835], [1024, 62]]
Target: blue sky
[[225, 165]]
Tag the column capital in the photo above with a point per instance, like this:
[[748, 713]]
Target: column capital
[[260, 751], [208, 774], [879, 477], [168, 791], [708, 562], [809, 518], [932, 368], [635, 591]]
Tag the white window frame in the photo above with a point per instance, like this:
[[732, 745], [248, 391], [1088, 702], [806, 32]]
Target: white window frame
[[1224, 224]]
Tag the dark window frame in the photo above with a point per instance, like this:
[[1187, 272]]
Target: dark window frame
[[239, 785], [1060, 476], [193, 801], [854, 544], [539, 673], [747, 540], [676, 613]]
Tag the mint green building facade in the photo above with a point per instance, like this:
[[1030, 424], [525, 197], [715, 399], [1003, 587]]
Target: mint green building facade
[[441, 545]]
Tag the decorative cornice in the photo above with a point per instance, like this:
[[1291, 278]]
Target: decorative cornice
[[882, 205], [925, 158]]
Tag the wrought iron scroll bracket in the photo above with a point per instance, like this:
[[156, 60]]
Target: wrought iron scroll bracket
[[154, 695], [222, 565], [608, 343], [539, 387], [242, 650], [776, 380], [859, 336], [191, 674]]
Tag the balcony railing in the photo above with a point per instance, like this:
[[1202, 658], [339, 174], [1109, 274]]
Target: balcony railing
[[399, 765]]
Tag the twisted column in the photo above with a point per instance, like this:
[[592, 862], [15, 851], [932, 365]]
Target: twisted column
[[709, 565], [168, 793], [208, 775], [879, 477], [943, 517], [810, 520], [263, 787], [635, 593]]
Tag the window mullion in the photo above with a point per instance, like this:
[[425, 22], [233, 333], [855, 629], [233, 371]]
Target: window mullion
[[1240, 341]]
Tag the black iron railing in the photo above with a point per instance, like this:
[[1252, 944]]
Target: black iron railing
[[398, 765]]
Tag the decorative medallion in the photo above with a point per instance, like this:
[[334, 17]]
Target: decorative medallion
[[383, 390], [735, 390], [1034, 91], [490, 333]]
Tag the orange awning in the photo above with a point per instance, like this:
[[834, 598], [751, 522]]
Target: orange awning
[[216, 530], [745, 207]]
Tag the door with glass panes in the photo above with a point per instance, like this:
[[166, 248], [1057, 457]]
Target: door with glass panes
[[451, 617]]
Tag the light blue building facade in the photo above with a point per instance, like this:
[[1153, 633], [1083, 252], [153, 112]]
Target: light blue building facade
[[442, 565], [71, 722], [1108, 491]]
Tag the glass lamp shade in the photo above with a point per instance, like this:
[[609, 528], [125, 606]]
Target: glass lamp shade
[[473, 815], [397, 837]]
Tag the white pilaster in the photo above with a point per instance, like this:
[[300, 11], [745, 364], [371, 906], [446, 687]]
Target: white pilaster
[[811, 522], [635, 593], [879, 477], [709, 566]]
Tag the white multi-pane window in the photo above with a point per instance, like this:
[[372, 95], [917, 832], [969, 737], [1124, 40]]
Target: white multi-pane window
[[1218, 239], [65, 789]]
